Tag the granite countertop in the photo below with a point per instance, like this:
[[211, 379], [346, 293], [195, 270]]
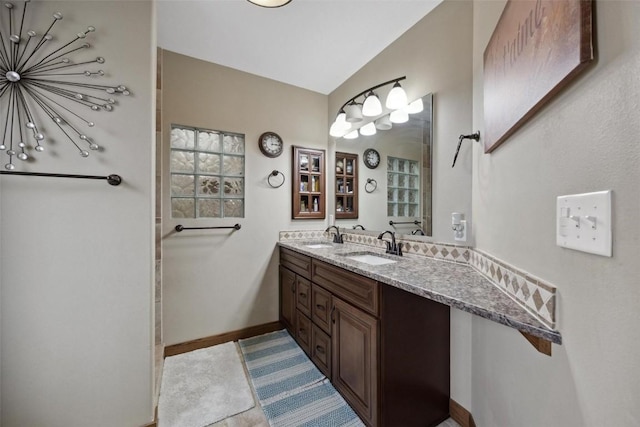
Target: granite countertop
[[456, 285]]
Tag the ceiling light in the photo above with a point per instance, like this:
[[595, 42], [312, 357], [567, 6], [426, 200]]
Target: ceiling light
[[383, 123], [399, 116], [269, 3], [368, 129], [372, 106], [415, 107], [397, 98], [351, 135]]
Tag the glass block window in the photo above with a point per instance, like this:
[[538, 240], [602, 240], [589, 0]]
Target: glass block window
[[403, 187], [207, 173]]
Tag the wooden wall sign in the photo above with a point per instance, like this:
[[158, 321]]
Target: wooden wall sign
[[537, 47]]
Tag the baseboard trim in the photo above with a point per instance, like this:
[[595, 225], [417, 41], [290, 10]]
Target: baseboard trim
[[199, 343], [460, 415]]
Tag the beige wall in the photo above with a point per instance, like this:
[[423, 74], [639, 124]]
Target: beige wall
[[585, 140], [436, 55], [216, 281], [77, 255]]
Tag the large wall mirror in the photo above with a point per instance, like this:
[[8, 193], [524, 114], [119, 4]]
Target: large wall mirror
[[403, 178]]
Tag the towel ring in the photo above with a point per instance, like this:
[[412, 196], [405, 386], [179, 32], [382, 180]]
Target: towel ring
[[370, 183], [271, 175]]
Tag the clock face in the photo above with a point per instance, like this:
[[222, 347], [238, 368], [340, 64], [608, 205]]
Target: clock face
[[270, 144], [371, 158]]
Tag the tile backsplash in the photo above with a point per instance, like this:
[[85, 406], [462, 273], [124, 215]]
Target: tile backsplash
[[535, 295]]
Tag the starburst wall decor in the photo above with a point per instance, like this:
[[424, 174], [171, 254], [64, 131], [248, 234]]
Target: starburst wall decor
[[39, 85]]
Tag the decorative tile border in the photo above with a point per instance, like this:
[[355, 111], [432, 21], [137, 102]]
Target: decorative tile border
[[536, 296]]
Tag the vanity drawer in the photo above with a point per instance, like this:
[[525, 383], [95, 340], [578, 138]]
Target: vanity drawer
[[303, 332], [303, 296], [298, 263], [321, 350], [321, 308], [360, 291]]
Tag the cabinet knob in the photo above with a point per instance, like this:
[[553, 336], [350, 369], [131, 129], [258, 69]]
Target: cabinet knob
[[321, 307], [303, 295], [320, 349]]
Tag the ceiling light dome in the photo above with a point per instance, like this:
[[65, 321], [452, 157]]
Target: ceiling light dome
[[269, 3]]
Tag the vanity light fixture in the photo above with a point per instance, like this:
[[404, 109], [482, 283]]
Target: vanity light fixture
[[269, 3], [354, 111]]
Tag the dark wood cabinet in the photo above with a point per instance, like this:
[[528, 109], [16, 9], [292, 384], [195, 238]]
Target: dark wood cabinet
[[288, 299], [346, 185], [308, 183], [355, 359], [384, 349]]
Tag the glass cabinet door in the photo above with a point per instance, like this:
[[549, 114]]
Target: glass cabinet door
[[308, 184], [346, 185]]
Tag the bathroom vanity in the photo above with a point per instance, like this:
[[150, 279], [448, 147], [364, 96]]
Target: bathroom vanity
[[378, 326], [384, 349]]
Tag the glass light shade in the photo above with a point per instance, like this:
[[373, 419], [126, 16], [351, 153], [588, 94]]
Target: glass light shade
[[269, 3], [340, 125], [397, 98], [415, 107], [368, 129], [372, 106], [351, 135], [399, 116], [354, 113], [384, 123]]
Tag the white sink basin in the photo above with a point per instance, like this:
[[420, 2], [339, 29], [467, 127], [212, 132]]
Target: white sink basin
[[318, 246], [371, 259]]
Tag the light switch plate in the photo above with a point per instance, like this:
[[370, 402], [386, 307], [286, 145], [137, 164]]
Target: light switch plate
[[583, 222]]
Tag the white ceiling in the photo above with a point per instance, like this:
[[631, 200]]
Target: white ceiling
[[313, 44]]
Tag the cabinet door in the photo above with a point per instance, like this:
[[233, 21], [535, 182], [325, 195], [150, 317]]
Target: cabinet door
[[303, 296], [288, 299], [346, 188], [355, 358], [321, 308], [303, 332], [321, 350], [308, 184]]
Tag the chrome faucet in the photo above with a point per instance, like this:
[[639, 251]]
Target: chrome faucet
[[418, 231], [337, 237], [392, 247]]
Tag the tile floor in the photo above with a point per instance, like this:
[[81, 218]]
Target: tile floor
[[254, 417]]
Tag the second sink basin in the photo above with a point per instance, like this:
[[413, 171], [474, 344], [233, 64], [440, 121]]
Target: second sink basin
[[370, 258]]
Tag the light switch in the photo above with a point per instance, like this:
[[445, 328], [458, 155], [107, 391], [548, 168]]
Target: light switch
[[584, 222]]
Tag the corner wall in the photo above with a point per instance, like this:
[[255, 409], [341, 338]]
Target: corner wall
[[585, 139], [216, 281], [77, 255]]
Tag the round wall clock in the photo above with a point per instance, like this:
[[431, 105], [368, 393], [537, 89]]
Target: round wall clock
[[270, 144], [371, 158]]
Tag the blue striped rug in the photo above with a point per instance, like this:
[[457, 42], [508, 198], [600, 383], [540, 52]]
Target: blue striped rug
[[291, 390]]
